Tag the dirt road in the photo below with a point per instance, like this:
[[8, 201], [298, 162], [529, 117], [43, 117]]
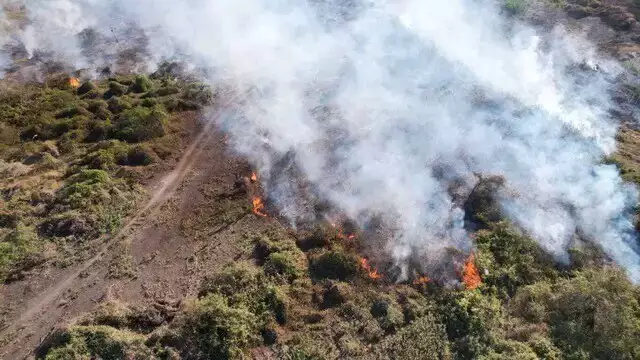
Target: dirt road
[[171, 243]]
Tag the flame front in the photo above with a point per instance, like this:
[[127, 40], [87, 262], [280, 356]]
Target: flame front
[[470, 274], [372, 272], [422, 280], [258, 207], [74, 82], [254, 177]]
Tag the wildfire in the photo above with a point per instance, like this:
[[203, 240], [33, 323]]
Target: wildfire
[[422, 280], [253, 177], [341, 233], [74, 82], [344, 236], [372, 272], [470, 274], [258, 207]]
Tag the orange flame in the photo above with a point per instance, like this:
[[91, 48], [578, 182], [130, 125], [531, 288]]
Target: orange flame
[[254, 177], [344, 236], [74, 82], [422, 280], [372, 272], [258, 207], [470, 274], [341, 234]]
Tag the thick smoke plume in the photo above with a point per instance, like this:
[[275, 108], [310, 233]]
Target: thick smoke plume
[[383, 105]]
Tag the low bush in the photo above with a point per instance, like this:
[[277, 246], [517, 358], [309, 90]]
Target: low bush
[[212, 329], [141, 84], [283, 265], [86, 87], [19, 251], [103, 342], [86, 188], [334, 265], [139, 124], [424, 339]]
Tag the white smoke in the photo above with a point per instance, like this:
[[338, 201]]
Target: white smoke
[[374, 98]]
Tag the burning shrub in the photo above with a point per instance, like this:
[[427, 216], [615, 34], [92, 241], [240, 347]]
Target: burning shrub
[[335, 265], [211, 329]]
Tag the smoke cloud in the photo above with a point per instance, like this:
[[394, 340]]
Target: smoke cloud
[[382, 105]]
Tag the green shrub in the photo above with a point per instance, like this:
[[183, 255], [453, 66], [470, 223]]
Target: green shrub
[[511, 260], [141, 84], [118, 105], [86, 87], [19, 251], [424, 339], [284, 265], [335, 265], [211, 329], [277, 303], [240, 283], [167, 90], [514, 6], [139, 124], [8, 135], [116, 89], [72, 111], [103, 342], [198, 94], [137, 156], [595, 314], [388, 314], [149, 102], [86, 188], [99, 108]]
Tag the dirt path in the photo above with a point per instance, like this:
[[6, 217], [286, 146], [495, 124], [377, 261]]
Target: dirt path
[[170, 242]]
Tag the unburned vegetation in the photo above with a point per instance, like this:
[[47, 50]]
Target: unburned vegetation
[[72, 158]]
